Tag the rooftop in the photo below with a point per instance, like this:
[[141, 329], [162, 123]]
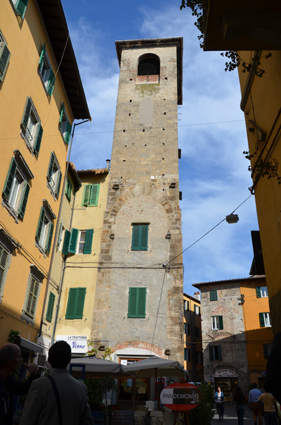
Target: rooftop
[[229, 281], [94, 171]]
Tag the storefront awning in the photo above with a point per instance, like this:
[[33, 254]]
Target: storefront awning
[[31, 345]]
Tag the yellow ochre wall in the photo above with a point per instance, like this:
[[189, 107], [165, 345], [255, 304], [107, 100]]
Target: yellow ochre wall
[[25, 39], [81, 269]]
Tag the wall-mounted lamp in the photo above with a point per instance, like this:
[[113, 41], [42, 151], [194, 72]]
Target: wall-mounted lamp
[[232, 218], [168, 236], [102, 348], [167, 352]]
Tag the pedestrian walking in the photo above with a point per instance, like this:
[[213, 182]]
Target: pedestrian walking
[[219, 399], [268, 404], [253, 403], [239, 398]]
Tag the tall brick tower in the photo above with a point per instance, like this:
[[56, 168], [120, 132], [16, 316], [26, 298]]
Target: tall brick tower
[[138, 305]]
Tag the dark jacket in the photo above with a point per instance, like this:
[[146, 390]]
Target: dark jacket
[[8, 389]]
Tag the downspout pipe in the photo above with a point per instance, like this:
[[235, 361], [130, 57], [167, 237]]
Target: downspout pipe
[[58, 225]]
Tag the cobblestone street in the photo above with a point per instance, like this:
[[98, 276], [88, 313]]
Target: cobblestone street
[[230, 416]]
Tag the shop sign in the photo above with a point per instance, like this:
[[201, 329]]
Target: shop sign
[[225, 373], [181, 397], [77, 343]]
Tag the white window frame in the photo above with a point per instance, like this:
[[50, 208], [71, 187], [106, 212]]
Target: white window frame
[[267, 320], [196, 309], [29, 134], [61, 238], [185, 305], [53, 182], [63, 124], [80, 242], [41, 242], [46, 69], [263, 291], [215, 323], [8, 244], [36, 276]]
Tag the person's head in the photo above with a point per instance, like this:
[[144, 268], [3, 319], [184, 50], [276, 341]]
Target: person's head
[[254, 385], [238, 392], [10, 358], [219, 389], [60, 355]]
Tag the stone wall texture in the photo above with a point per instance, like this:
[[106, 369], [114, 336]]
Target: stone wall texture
[[144, 163]]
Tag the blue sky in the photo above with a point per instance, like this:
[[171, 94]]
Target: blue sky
[[213, 171]]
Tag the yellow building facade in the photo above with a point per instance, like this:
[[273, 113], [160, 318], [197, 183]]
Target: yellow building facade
[[81, 246], [193, 359], [37, 109]]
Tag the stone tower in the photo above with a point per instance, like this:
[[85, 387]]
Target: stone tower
[[138, 308]]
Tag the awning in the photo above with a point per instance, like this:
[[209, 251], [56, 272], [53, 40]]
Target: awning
[[31, 345]]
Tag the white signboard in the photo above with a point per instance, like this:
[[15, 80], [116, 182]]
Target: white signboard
[[77, 343], [225, 373]]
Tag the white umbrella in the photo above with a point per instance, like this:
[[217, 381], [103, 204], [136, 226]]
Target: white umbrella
[[94, 365], [155, 366]]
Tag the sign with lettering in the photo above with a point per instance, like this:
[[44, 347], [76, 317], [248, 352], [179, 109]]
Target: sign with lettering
[[78, 343], [181, 397], [225, 373]]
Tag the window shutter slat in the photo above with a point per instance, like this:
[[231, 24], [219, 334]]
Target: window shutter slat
[[88, 241], [144, 237], [21, 7], [80, 303], [132, 308], [9, 179], [26, 113], [51, 83], [86, 195], [4, 60], [262, 324], [58, 184], [71, 303], [42, 57], [50, 308], [61, 113], [220, 322], [66, 242], [40, 223], [24, 200], [141, 302], [51, 166], [258, 290], [68, 133], [135, 238], [38, 140], [73, 241], [3, 259], [60, 230], [94, 194], [49, 239]]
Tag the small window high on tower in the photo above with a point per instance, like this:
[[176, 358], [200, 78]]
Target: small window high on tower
[[149, 64]]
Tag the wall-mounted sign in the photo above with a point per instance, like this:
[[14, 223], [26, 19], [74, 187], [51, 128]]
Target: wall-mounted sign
[[77, 343], [181, 397], [225, 373]]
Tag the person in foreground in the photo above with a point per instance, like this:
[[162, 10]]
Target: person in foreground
[[267, 403], [41, 406], [10, 359], [240, 405], [253, 403], [219, 399]]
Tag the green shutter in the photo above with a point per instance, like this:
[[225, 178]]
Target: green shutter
[[86, 195], [61, 113], [66, 242], [42, 57], [135, 238], [24, 199], [211, 352], [68, 189], [132, 308], [9, 179], [49, 239], [94, 196], [88, 241], [213, 295], [3, 260], [40, 224], [38, 139], [219, 352], [26, 113], [51, 83], [262, 324], [50, 307], [59, 237], [51, 166], [81, 292], [144, 237], [73, 241], [141, 302], [258, 290], [58, 183], [4, 59], [71, 303], [220, 322], [67, 133], [21, 6]]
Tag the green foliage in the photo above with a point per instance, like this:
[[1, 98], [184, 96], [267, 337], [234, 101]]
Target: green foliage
[[13, 336], [203, 414], [94, 392]]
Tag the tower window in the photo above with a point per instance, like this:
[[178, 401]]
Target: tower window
[[149, 64]]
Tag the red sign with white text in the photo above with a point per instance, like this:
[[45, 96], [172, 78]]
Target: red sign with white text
[[181, 397]]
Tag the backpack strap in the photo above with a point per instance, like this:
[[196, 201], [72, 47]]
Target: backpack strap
[[51, 379]]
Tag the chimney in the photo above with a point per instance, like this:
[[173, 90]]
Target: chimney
[[197, 295], [107, 164]]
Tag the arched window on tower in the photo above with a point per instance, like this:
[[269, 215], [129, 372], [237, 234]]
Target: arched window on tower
[[149, 68]]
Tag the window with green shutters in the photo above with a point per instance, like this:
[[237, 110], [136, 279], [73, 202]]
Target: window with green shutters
[[215, 352], [4, 253], [261, 291], [217, 322], [31, 128], [50, 307], [68, 189], [64, 125], [16, 188], [213, 295], [31, 304], [78, 242], [90, 195], [46, 71], [75, 305], [54, 176], [137, 302], [265, 320], [140, 237], [44, 232], [5, 55], [20, 7]]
